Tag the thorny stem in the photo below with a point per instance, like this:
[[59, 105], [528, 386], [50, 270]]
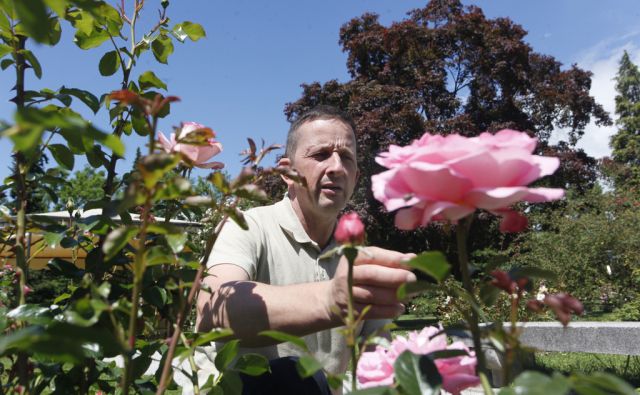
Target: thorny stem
[[21, 168], [462, 231], [166, 368], [351, 326]]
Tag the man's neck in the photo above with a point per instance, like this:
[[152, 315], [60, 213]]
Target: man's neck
[[319, 228]]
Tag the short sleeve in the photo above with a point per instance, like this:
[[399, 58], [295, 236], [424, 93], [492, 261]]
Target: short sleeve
[[237, 246]]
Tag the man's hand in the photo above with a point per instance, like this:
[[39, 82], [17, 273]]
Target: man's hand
[[377, 274]]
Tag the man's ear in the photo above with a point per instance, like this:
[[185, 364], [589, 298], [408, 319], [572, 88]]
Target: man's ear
[[285, 162]]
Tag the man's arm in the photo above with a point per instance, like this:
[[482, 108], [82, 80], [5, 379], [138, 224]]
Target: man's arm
[[249, 307]]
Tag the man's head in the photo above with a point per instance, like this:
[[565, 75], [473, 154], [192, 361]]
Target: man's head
[[321, 146], [318, 112]]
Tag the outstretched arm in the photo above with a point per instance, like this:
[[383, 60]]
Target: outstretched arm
[[249, 307]]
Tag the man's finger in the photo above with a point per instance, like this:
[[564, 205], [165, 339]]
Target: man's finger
[[382, 276], [382, 257]]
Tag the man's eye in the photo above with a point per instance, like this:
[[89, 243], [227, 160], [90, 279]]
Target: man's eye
[[321, 155]]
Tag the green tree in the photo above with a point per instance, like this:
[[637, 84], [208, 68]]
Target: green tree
[[84, 186], [626, 142]]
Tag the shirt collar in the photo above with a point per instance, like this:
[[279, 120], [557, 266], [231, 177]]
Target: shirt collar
[[291, 225]]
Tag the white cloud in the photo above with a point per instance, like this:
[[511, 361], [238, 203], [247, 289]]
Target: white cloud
[[602, 60]]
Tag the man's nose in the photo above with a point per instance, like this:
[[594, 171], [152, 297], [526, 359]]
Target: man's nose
[[335, 163]]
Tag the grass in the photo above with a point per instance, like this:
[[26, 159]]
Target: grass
[[623, 366]]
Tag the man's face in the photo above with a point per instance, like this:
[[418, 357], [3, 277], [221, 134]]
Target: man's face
[[326, 156]]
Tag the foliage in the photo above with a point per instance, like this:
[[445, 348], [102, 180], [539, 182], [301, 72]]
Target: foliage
[[626, 142], [591, 244], [82, 186]]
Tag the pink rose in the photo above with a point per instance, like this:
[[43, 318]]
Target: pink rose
[[350, 230], [439, 178], [375, 368], [197, 155]]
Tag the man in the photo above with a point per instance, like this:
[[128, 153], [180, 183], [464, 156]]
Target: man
[[271, 277]]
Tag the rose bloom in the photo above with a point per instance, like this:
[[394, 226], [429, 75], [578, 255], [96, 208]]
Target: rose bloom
[[458, 373], [446, 178], [350, 229], [197, 155]]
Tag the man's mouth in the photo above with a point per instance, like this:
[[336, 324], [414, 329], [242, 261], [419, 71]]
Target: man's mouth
[[331, 187]]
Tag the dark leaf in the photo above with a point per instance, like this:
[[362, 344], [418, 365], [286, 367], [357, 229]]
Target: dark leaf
[[109, 63], [307, 366], [226, 355], [162, 47], [417, 374], [33, 62], [252, 364], [86, 97], [433, 263], [63, 155], [117, 239], [149, 80]]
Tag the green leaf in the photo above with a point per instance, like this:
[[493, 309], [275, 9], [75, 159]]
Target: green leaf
[[307, 366], [285, 337], [90, 40], [194, 31], [64, 268], [409, 289], [162, 228], [162, 47], [433, 263], [57, 6], [149, 80], [600, 383], [25, 138], [156, 296], [177, 241], [252, 364], [117, 239], [4, 49], [86, 97], [417, 374], [536, 383], [33, 18], [154, 166], [53, 238], [158, 255], [212, 336], [6, 63], [226, 355], [63, 155], [33, 61], [31, 313], [109, 63]]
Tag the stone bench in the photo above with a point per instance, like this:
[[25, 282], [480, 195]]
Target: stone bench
[[583, 336]]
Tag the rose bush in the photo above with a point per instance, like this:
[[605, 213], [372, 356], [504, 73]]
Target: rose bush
[[448, 177]]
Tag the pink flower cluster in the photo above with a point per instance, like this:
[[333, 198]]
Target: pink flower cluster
[[197, 155], [439, 178], [375, 368]]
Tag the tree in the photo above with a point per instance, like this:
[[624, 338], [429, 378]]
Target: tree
[[84, 186], [447, 68], [626, 142]]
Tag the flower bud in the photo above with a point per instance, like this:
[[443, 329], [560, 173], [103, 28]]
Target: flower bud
[[350, 229]]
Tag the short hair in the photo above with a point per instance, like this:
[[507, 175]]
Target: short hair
[[318, 112]]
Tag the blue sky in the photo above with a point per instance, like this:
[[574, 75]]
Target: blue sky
[[257, 53]]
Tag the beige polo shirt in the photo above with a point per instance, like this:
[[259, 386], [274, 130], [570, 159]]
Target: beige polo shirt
[[276, 250]]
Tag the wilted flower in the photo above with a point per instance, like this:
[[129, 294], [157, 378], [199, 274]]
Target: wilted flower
[[350, 230], [563, 305], [196, 155], [505, 282], [376, 368], [439, 178]]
